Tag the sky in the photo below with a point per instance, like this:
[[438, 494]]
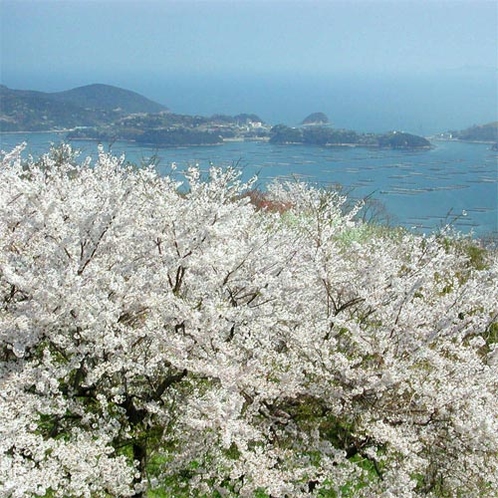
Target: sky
[[143, 45]]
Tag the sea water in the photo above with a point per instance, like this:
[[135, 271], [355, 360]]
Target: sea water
[[454, 182]]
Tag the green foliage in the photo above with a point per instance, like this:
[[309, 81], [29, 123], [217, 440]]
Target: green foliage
[[491, 335], [476, 257]]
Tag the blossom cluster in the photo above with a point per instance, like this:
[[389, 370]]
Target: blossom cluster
[[165, 332]]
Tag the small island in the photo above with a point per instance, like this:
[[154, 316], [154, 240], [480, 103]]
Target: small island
[[327, 136]]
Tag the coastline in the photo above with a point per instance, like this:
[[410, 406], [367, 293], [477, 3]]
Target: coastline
[[266, 139], [354, 146], [226, 141], [24, 132]]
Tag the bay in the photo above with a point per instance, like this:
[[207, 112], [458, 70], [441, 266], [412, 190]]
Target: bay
[[454, 182]]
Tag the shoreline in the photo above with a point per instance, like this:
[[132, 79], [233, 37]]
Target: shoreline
[[456, 140], [23, 132]]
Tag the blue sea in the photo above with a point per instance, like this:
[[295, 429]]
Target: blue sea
[[453, 182]]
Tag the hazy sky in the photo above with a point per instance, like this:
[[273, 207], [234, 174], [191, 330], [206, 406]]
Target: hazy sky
[[368, 64], [50, 45]]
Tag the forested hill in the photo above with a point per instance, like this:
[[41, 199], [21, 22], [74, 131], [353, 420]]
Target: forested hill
[[107, 97], [326, 136], [91, 105], [483, 133]]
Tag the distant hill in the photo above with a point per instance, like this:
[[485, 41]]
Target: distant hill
[[316, 118], [91, 105], [483, 133], [109, 98]]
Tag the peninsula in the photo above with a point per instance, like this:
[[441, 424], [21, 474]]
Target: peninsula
[[487, 133]]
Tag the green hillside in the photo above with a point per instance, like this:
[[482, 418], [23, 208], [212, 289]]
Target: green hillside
[[109, 98], [483, 133], [91, 105]]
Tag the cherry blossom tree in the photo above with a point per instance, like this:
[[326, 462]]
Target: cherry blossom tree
[[164, 332]]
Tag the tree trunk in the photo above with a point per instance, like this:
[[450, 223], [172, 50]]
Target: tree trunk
[[140, 456]]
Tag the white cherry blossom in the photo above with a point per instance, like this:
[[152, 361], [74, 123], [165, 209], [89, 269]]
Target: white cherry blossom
[[163, 334]]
